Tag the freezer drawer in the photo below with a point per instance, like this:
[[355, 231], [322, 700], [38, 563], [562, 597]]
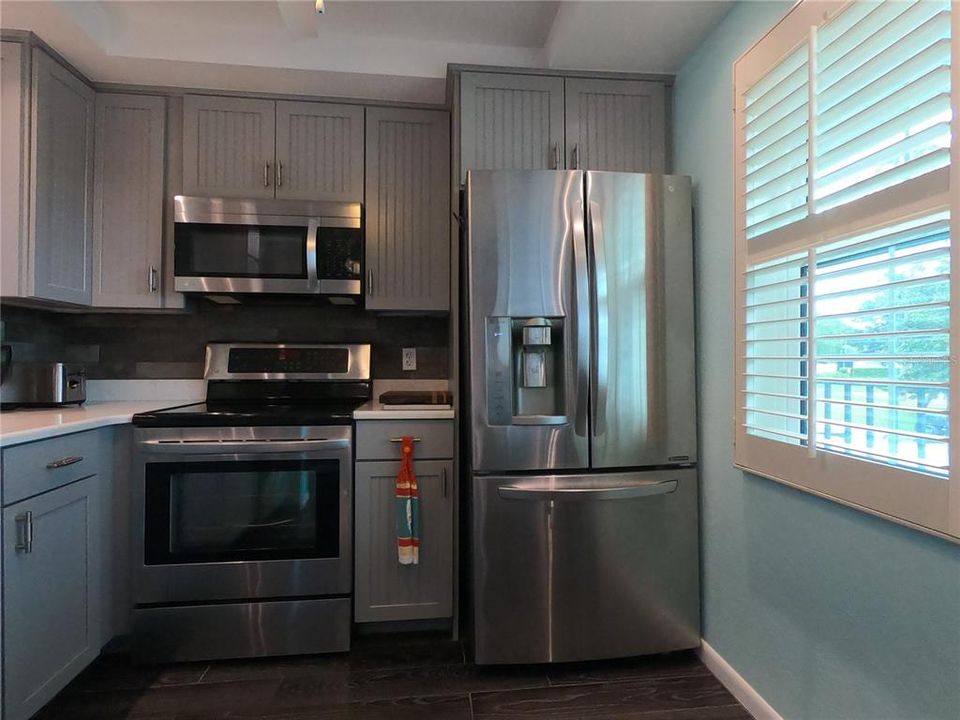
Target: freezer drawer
[[579, 567]]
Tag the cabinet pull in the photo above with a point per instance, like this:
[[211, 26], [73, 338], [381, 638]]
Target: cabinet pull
[[443, 481], [576, 156], [370, 282], [152, 277], [279, 174], [556, 156], [266, 174], [24, 523], [400, 439], [63, 462]]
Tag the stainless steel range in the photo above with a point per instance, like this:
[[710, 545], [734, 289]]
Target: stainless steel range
[[243, 541]]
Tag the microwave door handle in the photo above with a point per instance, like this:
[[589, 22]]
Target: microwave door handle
[[313, 239]]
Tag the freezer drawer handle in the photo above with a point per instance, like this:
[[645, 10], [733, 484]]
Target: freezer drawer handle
[[622, 492]]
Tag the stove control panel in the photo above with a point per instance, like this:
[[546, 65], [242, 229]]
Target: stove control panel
[[293, 360]]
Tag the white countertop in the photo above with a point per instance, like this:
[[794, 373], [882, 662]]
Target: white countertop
[[375, 411], [27, 425]]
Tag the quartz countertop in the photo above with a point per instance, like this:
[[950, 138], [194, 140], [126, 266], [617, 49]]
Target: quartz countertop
[[29, 424], [374, 410]]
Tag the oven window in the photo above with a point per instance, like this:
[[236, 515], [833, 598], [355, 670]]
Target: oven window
[[199, 512], [254, 251]]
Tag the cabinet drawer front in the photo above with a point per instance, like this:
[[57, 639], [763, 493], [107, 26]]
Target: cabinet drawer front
[[380, 440], [36, 467]]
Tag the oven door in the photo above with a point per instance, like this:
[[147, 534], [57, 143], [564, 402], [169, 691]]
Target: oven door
[[242, 513]]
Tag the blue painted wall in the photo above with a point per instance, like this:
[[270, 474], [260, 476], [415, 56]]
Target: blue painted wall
[[827, 612]]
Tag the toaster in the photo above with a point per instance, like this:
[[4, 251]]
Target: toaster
[[47, 384]]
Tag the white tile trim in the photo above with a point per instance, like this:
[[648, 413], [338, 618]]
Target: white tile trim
[[734, 682]]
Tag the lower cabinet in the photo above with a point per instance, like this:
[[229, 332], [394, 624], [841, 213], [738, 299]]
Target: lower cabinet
[[51, 603], [385, 589]]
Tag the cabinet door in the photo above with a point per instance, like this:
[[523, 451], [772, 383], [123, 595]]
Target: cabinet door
[[407, 209], [617, 125], [62, 194], [511, 122], [13, 176], [51, 613], [385, 589], [128, 201], [228, 147], [319, 151]]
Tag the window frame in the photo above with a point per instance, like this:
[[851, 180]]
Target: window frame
[[924, 502]]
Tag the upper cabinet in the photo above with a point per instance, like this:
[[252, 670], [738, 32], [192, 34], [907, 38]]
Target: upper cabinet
[[242, 147], [537, 122], [319, 151], [617, 125], [14, 146], [228, 146], [511, 122], [128, 201], [61, 193], [407, 209]]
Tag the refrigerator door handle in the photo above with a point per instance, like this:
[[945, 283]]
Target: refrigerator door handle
[[601, 321], [582, 303], [566, 494]]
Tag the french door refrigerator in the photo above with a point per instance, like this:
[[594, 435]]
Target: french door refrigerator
[[579, 356]]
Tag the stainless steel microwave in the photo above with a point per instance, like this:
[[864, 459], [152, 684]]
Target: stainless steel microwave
[[233, 246]]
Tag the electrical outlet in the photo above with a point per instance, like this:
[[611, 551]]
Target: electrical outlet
[[409, 358]]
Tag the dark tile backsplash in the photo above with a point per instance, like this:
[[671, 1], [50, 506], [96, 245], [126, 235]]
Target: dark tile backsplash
[[127, 345]]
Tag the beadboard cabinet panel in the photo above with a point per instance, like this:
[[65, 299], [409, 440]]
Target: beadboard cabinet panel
[[319, 152], [511, 122], [61, 198], [407, 209], [228, 146], [128, 201], [617, 125], [14, 178], [385, 589]]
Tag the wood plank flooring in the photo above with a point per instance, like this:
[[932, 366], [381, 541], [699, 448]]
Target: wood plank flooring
[[397, 677]]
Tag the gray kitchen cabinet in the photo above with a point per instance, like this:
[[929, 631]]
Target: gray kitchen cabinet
[[407, 209], [14, 104], [228, 146], [128, 201], [385, 589], [61, 192], [319, 151], [617, 125], [511, 122], [51, 603]]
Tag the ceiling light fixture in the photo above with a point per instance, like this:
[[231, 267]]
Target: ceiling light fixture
[[319, 6]]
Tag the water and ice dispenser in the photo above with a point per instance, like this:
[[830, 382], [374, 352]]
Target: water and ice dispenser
[[525, 373]]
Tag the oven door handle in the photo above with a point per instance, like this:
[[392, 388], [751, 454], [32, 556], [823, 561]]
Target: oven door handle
[[219, 447]]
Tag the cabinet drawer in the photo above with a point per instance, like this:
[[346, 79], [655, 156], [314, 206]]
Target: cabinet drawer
[[36, 467], [380, 439]]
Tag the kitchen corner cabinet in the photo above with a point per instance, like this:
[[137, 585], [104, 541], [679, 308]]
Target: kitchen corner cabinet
[[407, 209], [617, 125], [128, 201], [385, 590], [252, 148], [51, 603], [511, 122]]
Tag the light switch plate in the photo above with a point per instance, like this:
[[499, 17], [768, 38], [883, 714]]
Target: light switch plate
[[409, 358]]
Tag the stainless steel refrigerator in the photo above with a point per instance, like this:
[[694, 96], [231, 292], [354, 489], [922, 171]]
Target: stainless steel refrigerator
[[579, 355]]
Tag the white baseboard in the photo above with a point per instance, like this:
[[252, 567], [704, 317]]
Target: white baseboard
[[738, 687]]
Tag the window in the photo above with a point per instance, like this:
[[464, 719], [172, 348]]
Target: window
[[843, 137]]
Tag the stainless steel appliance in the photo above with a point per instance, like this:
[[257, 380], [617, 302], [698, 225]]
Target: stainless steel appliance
[[229, 246], [242, 507], [45, 384], [582, 415]]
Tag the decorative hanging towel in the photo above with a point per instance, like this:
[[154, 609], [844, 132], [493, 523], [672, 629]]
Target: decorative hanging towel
[[408, 509]]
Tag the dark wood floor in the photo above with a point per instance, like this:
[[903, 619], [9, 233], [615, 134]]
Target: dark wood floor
[[398, 677]]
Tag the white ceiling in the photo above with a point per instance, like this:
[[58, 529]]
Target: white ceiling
[[387, 50]]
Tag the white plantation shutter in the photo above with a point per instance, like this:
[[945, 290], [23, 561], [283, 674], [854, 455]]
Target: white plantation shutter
[[844, 209]]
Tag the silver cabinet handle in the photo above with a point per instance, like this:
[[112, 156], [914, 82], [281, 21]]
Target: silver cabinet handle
[[443, 481], [601, 320], [582, 301], [279, 173], [266, 174], [400, 439], [64, 462], [556, 156], [621, 492], [152, 277], [576, 157], [24, 523], [370, 283]]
